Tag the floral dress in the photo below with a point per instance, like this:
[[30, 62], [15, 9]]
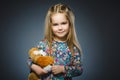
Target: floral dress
[[63, 56]]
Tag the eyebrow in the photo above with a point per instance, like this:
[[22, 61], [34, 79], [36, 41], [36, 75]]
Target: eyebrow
[[61, 22]]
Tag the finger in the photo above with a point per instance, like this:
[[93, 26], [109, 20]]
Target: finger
[[53, 68]]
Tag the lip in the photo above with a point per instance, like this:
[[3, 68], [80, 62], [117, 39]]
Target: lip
[[60, 32]]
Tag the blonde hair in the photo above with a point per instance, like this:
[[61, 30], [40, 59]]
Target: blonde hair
[[71, 37]]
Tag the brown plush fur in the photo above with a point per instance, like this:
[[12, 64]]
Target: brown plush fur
[[40, 60], [33, 76]]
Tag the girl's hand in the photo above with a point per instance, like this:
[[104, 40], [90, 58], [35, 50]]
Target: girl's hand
[[56, 69], [37, 69]]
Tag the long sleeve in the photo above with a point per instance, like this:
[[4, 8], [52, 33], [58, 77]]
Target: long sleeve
[[75, 67]]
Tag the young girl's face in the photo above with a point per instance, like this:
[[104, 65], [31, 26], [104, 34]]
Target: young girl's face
[[60, 26]]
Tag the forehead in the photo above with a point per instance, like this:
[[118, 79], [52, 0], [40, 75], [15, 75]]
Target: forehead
[[58, 17]]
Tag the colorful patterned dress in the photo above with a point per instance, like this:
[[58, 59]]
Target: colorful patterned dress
[[62, 56]]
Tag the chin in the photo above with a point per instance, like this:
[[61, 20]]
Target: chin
[[61, 36]]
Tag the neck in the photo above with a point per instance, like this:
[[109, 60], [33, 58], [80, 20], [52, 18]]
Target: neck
[[60, 40]]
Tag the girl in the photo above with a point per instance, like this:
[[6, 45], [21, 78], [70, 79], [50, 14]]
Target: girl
[[60, 41]]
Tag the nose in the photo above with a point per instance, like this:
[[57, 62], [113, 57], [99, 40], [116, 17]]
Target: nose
[[60, 27]]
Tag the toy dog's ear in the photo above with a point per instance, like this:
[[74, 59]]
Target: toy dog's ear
[[33, 49], [31, 52]]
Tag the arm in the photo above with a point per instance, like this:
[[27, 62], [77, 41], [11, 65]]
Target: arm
[[71, 70], [37, 69], [75, 68]]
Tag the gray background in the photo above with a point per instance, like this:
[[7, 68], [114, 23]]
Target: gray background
[[22, 26]]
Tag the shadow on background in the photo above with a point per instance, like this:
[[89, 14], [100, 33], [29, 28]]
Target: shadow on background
[[96, 26]]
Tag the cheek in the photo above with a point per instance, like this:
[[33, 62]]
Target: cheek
[[54, 30], [66, 28]]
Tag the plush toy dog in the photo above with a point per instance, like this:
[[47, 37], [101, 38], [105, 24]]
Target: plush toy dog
[[40, 58]]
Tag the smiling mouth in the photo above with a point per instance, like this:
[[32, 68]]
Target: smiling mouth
[[60, 32]]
